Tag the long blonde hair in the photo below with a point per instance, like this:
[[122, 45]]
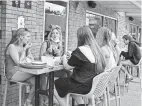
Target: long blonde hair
[[103, 36], [59, 30], [85, 37], [16, 37]]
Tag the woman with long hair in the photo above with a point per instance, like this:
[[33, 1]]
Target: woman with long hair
[[87, 61], [18, 51], [103, 38], [53, 45]]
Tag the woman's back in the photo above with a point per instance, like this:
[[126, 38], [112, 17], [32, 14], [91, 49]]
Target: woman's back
[[84, 63], [108, 54], [9, 63]]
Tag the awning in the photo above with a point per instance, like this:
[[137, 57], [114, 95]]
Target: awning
[[132, 8]]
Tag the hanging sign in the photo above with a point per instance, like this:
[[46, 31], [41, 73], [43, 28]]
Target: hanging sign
[[21, 22]]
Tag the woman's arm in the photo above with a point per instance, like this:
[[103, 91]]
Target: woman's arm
[[65, 64], [58, 51], [29, 55], [43, 49]]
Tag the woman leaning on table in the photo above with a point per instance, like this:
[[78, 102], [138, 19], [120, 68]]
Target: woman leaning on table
[[51, 47], [18, 51], [86, 61]]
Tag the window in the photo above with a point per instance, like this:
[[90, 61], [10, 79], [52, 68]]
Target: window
[[55, 9], [55, 14], [95, 21], [134, 31]]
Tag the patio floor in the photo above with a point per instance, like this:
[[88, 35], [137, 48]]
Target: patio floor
[[132, 97]]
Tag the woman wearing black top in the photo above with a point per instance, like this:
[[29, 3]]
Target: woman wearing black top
[[86, 61], [133, 55]]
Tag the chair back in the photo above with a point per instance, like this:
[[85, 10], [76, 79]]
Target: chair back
[[100, 82], [140, 61], [99, 85], [114, 72]]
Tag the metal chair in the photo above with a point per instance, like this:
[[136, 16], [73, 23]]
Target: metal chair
[[130, 68], [98, 89], [114, 79], [21, 84], [138, 66]]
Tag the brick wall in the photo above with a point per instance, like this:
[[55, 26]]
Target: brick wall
[[33, 21], [77, 18]]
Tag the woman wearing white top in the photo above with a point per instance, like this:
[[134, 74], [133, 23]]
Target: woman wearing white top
[[103, 38]]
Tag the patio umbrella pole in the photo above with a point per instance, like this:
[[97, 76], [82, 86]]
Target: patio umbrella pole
[[66, 35]]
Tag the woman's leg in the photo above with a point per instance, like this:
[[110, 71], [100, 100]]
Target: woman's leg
[[123, 68], [78, 99], [44, 85], [62, 101], [126, 63], [21, 76], [32, 91]]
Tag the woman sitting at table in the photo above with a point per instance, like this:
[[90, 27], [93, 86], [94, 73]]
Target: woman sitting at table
[[87, 61], [51, 47], [18, 51], [103, 38]]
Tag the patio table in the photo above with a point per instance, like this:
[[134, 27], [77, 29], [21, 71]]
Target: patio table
[[37, 73]]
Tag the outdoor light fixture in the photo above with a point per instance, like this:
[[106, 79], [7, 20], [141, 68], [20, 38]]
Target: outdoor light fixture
[[131, 18], [92, 4]]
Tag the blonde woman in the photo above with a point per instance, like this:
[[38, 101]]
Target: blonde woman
[[103, 38], [18, 51], [53, 45], [87, 61]]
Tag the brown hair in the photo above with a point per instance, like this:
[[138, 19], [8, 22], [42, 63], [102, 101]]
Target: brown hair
[[103, 36], [85, 37], [128, 37], [16, 36]]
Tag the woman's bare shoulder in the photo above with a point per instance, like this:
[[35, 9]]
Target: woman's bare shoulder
[[11, 46]]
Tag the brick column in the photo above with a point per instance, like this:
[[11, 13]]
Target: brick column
[[33, 21]]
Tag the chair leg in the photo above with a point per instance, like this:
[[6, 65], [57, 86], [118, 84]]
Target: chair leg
[[119, 96], [20, 94], [85, 101], [124, 84], [139, 71], [93, 101], [5, 93], [67, 99], [108, 95], [105, 99], [115, 87]]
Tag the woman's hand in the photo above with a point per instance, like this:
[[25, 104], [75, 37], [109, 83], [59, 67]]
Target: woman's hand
[[28, 46], [49, 50], [63, 57], [68, 55], [56, 51]]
